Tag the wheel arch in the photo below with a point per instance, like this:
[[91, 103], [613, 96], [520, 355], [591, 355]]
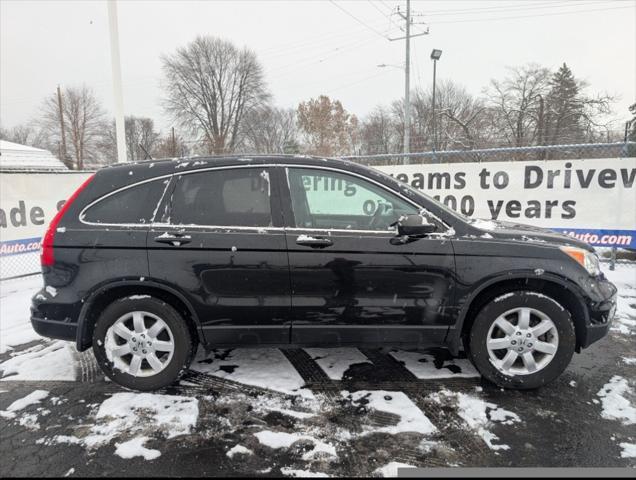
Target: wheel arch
[[105, 294], [562, 290]]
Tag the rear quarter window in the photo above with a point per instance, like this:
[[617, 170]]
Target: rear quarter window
[[133, 205]]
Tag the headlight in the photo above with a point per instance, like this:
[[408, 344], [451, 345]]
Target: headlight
[[588, 260]]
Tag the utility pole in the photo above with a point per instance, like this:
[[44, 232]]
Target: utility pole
[[407, 76], [117, 87], [63, 154], [407, 84]]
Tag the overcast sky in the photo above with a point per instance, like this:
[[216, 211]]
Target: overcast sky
[[310, 48]]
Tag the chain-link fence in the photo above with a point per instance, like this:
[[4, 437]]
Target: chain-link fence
[[511, 154], [19, 265]]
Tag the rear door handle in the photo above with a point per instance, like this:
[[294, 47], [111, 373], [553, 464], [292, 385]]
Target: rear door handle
[[175, 239], [314, 242]]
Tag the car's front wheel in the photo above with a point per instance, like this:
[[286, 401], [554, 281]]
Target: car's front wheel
[[142, 343], [522, 340]]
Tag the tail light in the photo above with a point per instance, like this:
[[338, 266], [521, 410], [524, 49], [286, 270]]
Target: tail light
[[46, 258]]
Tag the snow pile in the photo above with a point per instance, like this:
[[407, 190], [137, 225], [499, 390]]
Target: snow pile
[[391, 469], [15, 300], [31, 399], [615, 405], [238, 450], [479, 415], [629, 450], [425, 366], [278, 440], [336, 361], [135, 413], [297, 407], [50, 361], [260, 367], [624, 277], [412, 419], [290, 472], [135, 448]]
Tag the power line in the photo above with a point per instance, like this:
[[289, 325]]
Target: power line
[[357, 19], [573, 12], [526, 6]]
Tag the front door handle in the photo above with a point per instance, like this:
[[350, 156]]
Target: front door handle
[[314, 242], [175, 239]]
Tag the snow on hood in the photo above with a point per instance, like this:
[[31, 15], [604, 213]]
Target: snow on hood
[[525, 233]]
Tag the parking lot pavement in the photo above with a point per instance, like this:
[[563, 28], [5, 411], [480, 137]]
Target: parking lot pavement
[[337, 412]]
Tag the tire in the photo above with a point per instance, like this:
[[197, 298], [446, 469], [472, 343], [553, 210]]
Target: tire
[[494, 363], [119, 318]]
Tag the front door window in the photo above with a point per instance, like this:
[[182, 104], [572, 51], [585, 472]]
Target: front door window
[[324, 199]]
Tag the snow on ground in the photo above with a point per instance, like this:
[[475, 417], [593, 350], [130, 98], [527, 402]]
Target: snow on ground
[[278, 440], [424, 366], [238, 450], [15, 300], [31, 399], [290, 472], [629, 450], [259, 367], [336, 361], [412, 419], [135, 448], [128, 414], [479, 415], [391, 469], [52, 360], [616, 405], [624, 277]]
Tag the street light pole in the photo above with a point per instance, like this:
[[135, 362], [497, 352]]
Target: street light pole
[[435, 55], [117, 87]]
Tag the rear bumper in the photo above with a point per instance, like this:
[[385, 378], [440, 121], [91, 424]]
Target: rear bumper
[[53, 317], [54, 328]]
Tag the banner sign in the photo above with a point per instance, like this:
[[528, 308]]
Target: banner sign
[[28, 203], [593, 200]]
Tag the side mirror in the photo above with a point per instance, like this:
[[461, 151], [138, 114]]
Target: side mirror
[[414, 226]]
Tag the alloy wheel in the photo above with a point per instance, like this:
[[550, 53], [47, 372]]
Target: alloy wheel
[[522, 341], [140, 344]]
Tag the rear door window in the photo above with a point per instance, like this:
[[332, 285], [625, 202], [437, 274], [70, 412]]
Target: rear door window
[[133, 205], [225, 197]]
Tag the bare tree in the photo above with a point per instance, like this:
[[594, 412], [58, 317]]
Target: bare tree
[[463, 121], [516, 103], [210, 86], [140, 137], [270, 130], [170, 146], [84, 122], [25, 134], [378, 132]]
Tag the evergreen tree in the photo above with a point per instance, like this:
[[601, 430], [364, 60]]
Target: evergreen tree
[[565, 108]]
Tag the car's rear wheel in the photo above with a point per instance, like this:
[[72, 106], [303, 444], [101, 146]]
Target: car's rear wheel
[[142, 343], [522, 340]]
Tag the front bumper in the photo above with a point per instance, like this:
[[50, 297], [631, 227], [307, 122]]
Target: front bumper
[[601, 313]]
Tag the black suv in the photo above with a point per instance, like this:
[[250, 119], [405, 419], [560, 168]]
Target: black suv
[[148, 260]]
